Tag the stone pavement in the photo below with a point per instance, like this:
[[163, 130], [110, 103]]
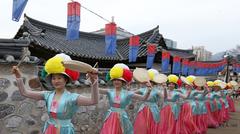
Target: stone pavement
[[230, 127]]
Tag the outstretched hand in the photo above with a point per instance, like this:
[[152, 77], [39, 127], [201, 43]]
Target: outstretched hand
[[15, 71], [93, 76], [149, 85]]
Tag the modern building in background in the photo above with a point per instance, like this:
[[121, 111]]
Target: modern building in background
[[201, 53], [170, 43]]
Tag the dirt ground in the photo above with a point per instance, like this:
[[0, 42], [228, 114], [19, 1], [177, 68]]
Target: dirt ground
[[230, 127]]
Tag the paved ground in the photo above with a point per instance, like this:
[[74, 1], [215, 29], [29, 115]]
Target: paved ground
[[232, 126]]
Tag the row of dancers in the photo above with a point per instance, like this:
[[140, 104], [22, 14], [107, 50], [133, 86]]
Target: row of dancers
[[186, 109]]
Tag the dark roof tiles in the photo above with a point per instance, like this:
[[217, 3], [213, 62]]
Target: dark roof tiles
[[89, 45]]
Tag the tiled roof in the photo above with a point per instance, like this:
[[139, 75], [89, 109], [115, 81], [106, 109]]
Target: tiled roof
[[90, 45], [181, 53], [11, 51]]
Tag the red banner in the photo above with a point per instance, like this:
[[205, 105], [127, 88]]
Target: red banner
[[165, 55], [110, 29], [151, 49], [74, 8], [134, 41], [176, 59]]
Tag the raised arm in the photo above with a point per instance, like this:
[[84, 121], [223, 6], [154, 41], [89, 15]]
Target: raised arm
[[164, 95], [145, 96], [185, 96], [103, 91], [85, 101], [36, 95]]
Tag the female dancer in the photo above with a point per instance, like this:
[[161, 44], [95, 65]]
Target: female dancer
[[211, 106], [116, 120], [202, 114], [171, 108], [147, 119], [229, 97], [61, 104], [189, 108]]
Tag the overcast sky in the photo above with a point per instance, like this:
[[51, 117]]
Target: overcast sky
[[214, 24]]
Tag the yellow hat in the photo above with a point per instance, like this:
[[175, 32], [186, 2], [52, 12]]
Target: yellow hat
[[217, 83], [210, 83], [122, 72], [116, 72], [172, 78], [185, 81], [152, 73], [54, 66], [191, 79]]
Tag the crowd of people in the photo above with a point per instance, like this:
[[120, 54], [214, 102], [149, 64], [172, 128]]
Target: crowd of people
[[170, 104]]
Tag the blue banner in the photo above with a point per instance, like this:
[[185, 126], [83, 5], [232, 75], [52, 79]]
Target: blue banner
[[176, 68], [73, 24], [133, 51], [18, 7], [185, 70], [165, 65], [150, 60], [111, 44]]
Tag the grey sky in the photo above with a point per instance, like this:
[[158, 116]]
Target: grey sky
[[211, 23]]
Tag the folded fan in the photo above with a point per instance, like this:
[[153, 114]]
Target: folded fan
[[78, 66], [141, 75]]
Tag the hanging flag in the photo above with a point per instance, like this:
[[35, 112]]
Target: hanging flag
[[165, 61], [185, 66], [151, 51], [73, 21], [176, 65], [236, 67], [191, 69], [110, 38], [133, 48], [18, 7], [199, 69]]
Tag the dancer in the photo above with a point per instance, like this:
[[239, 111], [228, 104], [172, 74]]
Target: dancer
[[116, 120], [148, 118], [61, 104]]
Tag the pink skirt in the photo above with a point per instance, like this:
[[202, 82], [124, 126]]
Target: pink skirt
[[185, 123], [51, 129], [224, 112], [231, 104], [196, 120], [144, 122], [211, 122], [217, 114], [112, 125], [202, 123], [167, 123]]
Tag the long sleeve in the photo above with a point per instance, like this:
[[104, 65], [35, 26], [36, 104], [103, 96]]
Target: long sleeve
[[28, 93], [95, 92]]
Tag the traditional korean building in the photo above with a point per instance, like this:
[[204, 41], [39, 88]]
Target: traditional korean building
[[46, 40]]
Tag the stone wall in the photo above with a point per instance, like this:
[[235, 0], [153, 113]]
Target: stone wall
[[20, 115]]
